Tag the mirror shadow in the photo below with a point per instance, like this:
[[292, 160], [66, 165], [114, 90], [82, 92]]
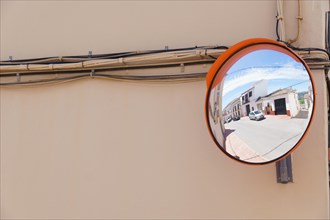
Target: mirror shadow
[[262, 107]]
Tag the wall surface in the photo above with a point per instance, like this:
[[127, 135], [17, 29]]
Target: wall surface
[[105, 149]]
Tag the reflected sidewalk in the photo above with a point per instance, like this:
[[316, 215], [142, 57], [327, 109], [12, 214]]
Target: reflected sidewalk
[[239, 149], [283, 117]]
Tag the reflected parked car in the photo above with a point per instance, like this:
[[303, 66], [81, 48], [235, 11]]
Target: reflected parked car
[[236, 118], [256, 115], [228, 119]]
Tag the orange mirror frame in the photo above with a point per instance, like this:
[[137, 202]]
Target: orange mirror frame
[[246, 113]]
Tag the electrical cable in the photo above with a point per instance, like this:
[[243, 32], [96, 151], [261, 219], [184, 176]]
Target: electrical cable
[[328, 88], [316, 58], [101, 73], [311, 55], [154, 59], [277, 34], [46, 81], [154, 78], [309, 49], [34, 73], [290, 41], [69, 59], [280, 20]]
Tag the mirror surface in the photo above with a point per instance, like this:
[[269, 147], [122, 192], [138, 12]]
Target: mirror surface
[[261, 106]]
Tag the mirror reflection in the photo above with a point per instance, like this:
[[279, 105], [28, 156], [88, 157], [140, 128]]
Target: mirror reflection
[[262, 107]]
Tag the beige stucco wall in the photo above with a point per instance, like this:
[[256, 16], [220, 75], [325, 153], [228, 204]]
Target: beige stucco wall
[[106, 149]]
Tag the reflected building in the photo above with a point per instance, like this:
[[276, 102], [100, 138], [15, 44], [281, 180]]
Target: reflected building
[[215, 104], [233, 109], [249, 97], [280, 102], [215, 111], [309, 98]]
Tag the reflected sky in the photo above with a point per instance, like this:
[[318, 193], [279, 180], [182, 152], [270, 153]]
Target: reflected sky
[[279, 69]]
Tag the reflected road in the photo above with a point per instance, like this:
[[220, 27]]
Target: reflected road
[[270, 137]]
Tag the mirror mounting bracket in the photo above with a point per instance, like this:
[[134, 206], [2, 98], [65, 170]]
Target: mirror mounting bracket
[[284, 170]]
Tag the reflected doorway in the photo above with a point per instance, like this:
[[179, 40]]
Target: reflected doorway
[[247, 109], [280, 107]]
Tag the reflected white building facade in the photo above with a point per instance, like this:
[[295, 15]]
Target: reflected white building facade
[[280, 102], [249, 97], [233, 109]]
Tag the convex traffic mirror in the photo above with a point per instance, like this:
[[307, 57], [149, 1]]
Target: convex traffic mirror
[[260, 101]]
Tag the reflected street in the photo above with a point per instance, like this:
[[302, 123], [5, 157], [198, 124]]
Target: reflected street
[[263, 140]]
